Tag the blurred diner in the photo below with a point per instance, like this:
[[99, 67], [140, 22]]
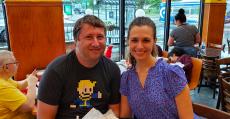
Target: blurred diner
[[13, 103], [185, 35], [178, 55]]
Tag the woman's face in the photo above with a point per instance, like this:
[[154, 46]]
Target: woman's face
[[141, 42]]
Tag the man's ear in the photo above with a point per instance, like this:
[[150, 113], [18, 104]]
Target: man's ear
[[4, 67], [1, 68]]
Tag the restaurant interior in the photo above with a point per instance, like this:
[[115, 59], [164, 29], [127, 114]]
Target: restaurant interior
[[42, 31]]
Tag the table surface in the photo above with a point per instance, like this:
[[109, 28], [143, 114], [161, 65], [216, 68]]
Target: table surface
[[213, 52]]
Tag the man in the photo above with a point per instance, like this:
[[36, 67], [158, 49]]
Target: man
[[13, 103], [74, 83]]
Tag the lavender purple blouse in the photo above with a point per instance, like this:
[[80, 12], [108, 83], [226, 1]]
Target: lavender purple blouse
[[156, 100]]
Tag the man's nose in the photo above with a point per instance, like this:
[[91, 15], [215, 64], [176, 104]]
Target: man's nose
[[95, 42]]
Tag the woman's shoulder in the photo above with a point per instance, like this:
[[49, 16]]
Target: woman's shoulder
[[127, 73], [168, 68]]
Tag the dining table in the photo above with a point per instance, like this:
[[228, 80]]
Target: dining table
[[214, 53]]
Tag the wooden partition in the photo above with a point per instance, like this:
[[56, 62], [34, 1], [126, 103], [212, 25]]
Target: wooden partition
[[36, 32], [213, 21]]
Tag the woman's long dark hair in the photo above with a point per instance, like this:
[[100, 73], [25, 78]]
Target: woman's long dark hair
[[142, 21]]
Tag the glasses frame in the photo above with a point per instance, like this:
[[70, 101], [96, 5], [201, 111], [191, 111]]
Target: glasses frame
[[16, 63]]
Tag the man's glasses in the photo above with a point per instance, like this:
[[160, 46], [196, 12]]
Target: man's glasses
[[16, 63]]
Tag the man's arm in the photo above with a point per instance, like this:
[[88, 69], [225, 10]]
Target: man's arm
[[31, 94], [46, 111], [115, 108], [22, 84]]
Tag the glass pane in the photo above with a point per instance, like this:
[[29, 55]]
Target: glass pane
[[227, 28], [3, 37], [148, 8], [192, 10], [106, 10]]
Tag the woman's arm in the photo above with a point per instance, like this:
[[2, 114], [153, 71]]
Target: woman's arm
[[197, 38], [170, 41], [184, 104], [125, 111]]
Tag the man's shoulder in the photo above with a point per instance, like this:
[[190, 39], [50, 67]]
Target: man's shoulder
[[109, 65], [107, 61], [60, 60]]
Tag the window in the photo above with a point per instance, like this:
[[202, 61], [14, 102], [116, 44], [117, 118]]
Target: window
[[3, 37]]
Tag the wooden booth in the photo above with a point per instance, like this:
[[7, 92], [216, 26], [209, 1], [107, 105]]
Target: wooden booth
[[36, 33]]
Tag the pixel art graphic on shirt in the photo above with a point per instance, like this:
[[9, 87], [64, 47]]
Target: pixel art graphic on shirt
[[86, 93]]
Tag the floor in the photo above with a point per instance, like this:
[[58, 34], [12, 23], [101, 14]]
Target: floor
[[204, 97]]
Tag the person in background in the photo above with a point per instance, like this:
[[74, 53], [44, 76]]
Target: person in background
[[185, 35], [159, 51], [152, 88], [158, 48], [108, 51], [178, 55], [75, 83], [13, 103]]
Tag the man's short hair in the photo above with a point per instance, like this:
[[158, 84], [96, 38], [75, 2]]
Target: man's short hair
[[4, 54], [88, 19]]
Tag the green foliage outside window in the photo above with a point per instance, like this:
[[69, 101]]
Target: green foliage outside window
[[153, 6]]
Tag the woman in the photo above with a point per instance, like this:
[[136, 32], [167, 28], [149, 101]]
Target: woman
[[151, 88], [13, 103], [184, 36], [179, 56]]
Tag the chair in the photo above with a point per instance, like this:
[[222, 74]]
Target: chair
[[209, 113], [195, 76], [223, 65], [224, 71], [225, 92], [213, 45], [165, 54], [209, 73]]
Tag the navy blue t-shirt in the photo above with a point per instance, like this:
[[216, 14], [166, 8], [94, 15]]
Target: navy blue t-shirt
[[76, 89]]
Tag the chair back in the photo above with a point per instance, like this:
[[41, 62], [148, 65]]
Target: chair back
[[223, 65], [195, 76], [210, 68], [217, 46], [165, 54], [225, 92], [209, 113]]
